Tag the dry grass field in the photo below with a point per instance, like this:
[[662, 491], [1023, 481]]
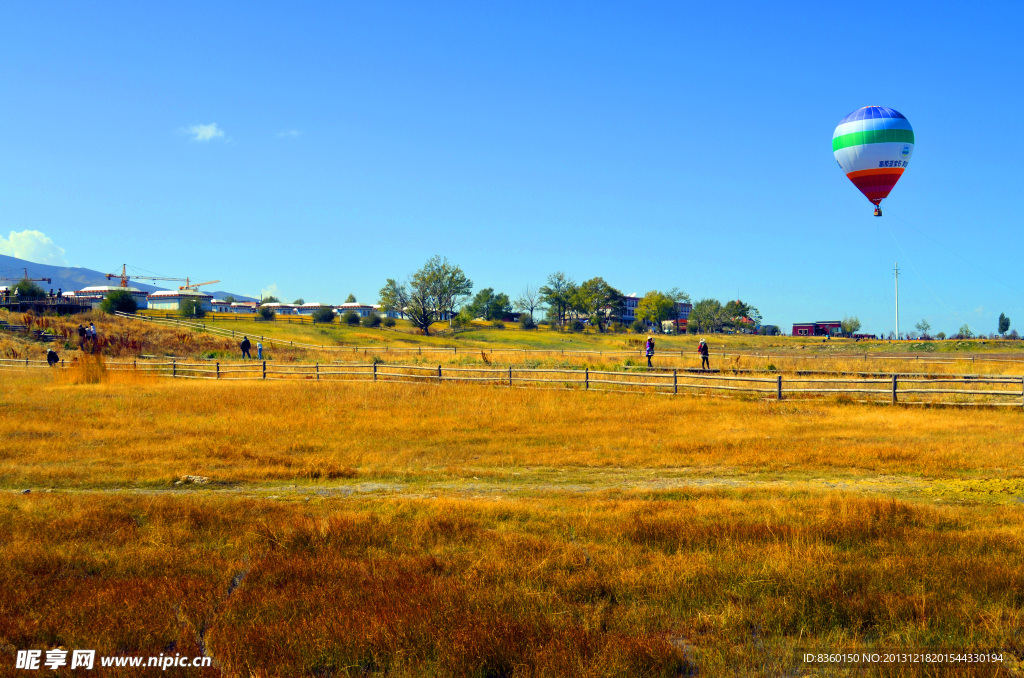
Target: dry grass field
[[333, 529]]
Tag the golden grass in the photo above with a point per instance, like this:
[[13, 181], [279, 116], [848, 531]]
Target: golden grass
[[611, 584], [150, 431], [459, 530]]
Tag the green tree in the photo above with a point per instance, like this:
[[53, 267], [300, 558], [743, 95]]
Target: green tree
[[229, 299], [299, 302], [708, 315], [923, 327], [850, 325], [371, 319], [266, 313], [1004, 324], [599, 301], [741, 315], [270, 299], [965, 332], [119, 301], [350, 318], [25, 288], [350, 299], [432, 292], [394, 296], [191, 308], [324, 314], [557, 296], [655, 307], [490, 306]]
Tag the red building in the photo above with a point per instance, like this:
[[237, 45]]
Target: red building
[[821, 328]]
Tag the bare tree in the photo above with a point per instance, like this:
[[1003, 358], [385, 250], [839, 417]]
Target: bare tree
[[529, 300]]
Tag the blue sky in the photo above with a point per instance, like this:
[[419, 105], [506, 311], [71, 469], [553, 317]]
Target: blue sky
[[319, 148]]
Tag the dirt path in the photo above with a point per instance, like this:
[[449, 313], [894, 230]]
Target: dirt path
[[1007, 491]]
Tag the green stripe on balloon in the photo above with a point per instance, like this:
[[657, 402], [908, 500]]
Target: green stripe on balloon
[[873, 136]]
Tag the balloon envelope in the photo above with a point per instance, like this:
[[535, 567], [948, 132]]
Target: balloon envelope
[[873, 146]]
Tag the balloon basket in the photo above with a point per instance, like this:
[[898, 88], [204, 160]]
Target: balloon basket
[[878, 211]]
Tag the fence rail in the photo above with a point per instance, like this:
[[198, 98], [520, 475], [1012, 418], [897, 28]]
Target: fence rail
[[975, 389], [921, 359]]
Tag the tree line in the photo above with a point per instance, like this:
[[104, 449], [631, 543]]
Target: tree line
[[436, 290]]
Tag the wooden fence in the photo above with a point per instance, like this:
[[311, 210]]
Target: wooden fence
[[964, 390], [383, 349]]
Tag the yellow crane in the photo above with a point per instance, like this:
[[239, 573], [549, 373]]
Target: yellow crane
[[25, 277], [125, 277], [193, 286]]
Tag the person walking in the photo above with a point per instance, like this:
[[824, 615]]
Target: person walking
[[81, 336], [702, 348], [245, 348], [649, 350], [259, 350]]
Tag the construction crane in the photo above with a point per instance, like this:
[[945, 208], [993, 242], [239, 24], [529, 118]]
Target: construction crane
[[125, 277], [25, 277], [193, 286]]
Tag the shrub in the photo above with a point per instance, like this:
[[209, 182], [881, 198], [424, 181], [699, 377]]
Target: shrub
[[526, 322], [119, 301], [266, 313], [350, 318], [618, 327], [576, 325], [372, 320], [324, 314], [638, 326], [464, 318], [498, 324], [388, 322]]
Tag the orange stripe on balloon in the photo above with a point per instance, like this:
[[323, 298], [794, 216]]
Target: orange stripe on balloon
[[874, 171]]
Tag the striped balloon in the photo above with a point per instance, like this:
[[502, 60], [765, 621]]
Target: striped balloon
[[873, 146]]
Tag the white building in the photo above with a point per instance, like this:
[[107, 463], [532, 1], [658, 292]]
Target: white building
[[170, 300], [311, 308], [96, 294], [244, 306], [281, 309], [220, 306]]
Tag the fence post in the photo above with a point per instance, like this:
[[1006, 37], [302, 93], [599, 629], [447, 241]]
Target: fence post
[[375, 371], [135, 364], [894, 389], [174, 368], [218, 371], [586, 379], [509, 375], [675, 381], [264, 369], [439, 374], [318, 371], [778, 387]]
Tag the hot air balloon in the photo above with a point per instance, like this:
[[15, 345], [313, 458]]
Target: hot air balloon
[[873, 146]]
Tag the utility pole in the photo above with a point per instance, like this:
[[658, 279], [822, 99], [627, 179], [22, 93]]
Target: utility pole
[[897, 301]]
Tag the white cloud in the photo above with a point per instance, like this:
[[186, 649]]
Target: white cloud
[[270, 290], [204, 132], [33, 246], [289, 134]]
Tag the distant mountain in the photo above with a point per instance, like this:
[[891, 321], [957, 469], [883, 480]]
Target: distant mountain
[[66, 278]]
